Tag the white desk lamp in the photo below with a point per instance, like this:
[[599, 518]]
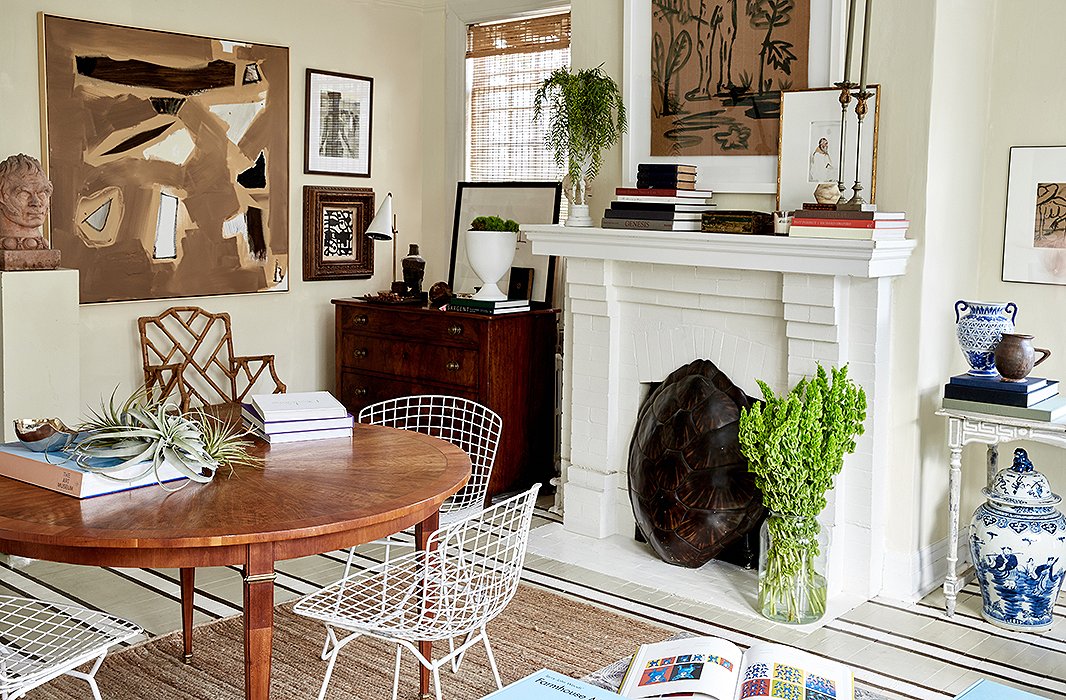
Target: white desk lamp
[[383, 228]]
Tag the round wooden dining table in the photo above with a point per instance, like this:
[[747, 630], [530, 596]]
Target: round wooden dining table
[[307, 498]]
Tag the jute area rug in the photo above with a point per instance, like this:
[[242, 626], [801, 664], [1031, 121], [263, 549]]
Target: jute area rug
[[538, 629]]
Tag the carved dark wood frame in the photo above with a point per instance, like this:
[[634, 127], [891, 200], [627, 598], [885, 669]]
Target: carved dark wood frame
[[316, 200]]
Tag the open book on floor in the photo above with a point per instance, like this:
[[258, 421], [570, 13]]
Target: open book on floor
[[709, 667]]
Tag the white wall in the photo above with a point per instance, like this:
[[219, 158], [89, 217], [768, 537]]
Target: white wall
[[378, 38]]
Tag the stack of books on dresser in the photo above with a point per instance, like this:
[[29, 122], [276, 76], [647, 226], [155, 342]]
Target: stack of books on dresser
[[1033, 398], [295, 417], [825, 221], [469, 305], [665, 199]]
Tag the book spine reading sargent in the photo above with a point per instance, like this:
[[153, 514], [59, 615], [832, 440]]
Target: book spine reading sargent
[[1003, 398], [483, 304], [849, 223], [1026, 385], [661, 192], [649, 225], [1048, 410], [848, 234], [855, 215], [485, 312], [652, 214]]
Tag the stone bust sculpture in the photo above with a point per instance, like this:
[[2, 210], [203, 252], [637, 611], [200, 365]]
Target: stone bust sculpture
[[25, 194]]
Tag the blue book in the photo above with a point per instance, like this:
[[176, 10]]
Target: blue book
[[985, 689], [1025, 386], [549, 685], [998, 396]]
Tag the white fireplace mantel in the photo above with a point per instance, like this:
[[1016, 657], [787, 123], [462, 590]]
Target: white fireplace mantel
[[820, 256], [640, 304]]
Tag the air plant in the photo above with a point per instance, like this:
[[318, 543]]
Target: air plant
[[140, 431]]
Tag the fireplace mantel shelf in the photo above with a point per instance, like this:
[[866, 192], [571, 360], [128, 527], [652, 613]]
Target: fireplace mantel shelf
[[817, 256]]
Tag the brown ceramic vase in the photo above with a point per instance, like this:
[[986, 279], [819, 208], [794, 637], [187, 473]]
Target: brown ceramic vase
[[1016, 356]]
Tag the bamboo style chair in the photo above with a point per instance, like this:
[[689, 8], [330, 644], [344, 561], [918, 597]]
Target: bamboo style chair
[[190, 351], [465, 577], [40, 641]]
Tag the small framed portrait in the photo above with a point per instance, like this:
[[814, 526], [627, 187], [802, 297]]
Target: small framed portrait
[[811, 152], [1034, 245], [335, 244], [338, 123]]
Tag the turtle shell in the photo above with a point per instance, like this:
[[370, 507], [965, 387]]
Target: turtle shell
[[689, 484]]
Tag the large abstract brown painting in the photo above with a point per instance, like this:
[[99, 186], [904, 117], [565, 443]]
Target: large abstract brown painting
[[718, 68], [169, 157]]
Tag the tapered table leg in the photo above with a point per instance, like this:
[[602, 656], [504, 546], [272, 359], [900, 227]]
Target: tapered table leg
[[188, 586], [258, 620], [422, 532]]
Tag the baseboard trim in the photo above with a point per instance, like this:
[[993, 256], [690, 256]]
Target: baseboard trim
[[912, 576]]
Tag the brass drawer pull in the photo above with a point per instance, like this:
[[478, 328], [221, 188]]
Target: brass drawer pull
[[455, 329], [362, 319], [452, 366], [361, 392], [361, 352]]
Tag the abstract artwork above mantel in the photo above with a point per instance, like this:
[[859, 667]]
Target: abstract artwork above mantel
[[169, 157]]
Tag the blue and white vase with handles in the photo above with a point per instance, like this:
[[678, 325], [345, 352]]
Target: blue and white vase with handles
[[1018, 545], [979, 326]]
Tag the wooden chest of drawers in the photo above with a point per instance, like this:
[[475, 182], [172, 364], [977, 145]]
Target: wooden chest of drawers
[[506, 362]]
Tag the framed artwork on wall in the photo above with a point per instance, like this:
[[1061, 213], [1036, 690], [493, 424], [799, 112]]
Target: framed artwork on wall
[[530, 202], [169, 154], [338, 123], [810, 145], [703, 82], [335, 244], [1034, 241]]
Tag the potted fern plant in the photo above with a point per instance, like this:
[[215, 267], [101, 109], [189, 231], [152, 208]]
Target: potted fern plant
[[795, 444], [490, 248], [586, 115]]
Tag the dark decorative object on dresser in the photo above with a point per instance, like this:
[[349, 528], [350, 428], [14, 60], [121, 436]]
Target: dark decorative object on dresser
[[505, 362]]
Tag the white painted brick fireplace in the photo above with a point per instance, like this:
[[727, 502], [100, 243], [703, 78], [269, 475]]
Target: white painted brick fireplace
[[639, 305]]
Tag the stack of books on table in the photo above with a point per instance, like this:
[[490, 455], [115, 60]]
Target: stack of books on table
[[1033, 398], [468, 305], [309, 415], [822, 221], [665, 199]]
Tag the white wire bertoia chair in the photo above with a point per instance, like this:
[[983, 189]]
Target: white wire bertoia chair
[[40, 640], [464, 579], [468, 425]]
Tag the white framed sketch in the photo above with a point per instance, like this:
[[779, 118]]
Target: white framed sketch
[[811, 146], [1034, 241], [702, 86]]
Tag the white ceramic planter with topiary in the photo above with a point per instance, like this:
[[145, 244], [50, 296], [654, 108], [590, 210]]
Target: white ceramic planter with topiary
[[490, 254]]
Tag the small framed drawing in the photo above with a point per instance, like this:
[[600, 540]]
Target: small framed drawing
[[338, 123], [335, 220], [526, 203], [1034, 242], [810, 146]]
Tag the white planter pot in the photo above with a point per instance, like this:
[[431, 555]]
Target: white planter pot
[[579, 215], [490, 254]]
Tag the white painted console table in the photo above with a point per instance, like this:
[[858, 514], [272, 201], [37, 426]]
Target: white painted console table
[[966, 427]]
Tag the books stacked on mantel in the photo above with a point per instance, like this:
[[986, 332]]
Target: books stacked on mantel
[[665, 199], [469, 305], [1033, 398], [295, 417], [824, 221]]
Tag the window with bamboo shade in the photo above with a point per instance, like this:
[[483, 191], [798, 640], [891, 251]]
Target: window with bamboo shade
[[506, 63]]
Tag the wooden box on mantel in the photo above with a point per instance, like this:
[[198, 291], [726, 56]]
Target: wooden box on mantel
[[506, 362]]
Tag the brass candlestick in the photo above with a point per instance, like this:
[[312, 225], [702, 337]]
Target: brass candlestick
[[857, 203]]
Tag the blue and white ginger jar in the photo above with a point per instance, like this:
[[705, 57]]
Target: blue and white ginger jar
[[980, 330], [1018, 545]]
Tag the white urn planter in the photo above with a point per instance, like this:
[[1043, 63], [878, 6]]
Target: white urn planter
[[490, 254]]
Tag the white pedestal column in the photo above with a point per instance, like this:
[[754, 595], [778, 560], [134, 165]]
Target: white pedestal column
[[39, 348]]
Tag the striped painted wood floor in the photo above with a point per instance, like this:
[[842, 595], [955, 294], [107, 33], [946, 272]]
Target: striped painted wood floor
[[898, 650]]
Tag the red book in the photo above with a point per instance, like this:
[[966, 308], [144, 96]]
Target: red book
[[850, 223], [650, 192]]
